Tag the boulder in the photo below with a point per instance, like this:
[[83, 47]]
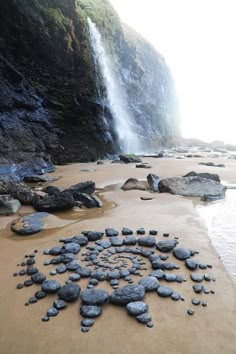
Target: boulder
[[8, 205], [90, 311], [147, 241], [18, 190], [153, 181], [126, 294], [37, 178], [143, 165], [191, 186], [166, 245], [30, 224], [52, 190], [126, 158], [62, 201], [181, 253], [133, 183], [212, 176], [87, 187], [88, 201], [150, 283]]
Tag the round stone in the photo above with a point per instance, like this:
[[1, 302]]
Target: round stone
[[84, 329], [51, 286], [144, 318], [190, 312], [136, 308], [74, 277], [198, 288], [45, 319], [28, 282], [153, 232], [59, 304], [149, 283], [33, 300], [164, 291], [170, 277], [150, 325], [90, 311], [159, 274], [40, 294], [111, 232], [73, 265], [61, 269], [204, 303], [181, 253], [94, 296], [191, 264], [30, 261], [32, 270], [147, 241], [20, 286], [166, 245], [87, 322], [52, 312], [197, 277], [196, 301], [38, 278], [22, 272], [175, 296], [127, 293], [69, 292], [83, 272]]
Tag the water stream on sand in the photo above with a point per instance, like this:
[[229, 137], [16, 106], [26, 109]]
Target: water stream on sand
[[220, 220]]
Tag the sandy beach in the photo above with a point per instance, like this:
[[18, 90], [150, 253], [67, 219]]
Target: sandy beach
[[212, 330]]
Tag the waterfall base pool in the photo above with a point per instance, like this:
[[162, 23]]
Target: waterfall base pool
[[220, 220]]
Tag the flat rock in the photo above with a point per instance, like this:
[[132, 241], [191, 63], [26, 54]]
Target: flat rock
[[50, 286], [59, 202], [90, 311], [111, 232], [166, 245], [129, 240], [69, 292], [127, 293], [71, 247], [133, 184], [159, 274], [87, 187], [197, 277], [164, 291], [147, 241], [191, 186], [29, 224], [136, 308], [94, 297], [84, 272], [126, 231], [94, 235], [149, 283], [181, 253]]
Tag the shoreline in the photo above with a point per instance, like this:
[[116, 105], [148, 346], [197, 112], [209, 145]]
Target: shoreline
[[115, 332]]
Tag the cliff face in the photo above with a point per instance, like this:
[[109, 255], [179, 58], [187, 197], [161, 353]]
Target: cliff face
[[48, 104]]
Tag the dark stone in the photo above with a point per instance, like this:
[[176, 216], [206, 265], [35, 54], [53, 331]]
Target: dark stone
[[190, 312], [149, 283], [159, 274], [87, 322], [93, 282], [60, 304], [164, 291], [153, 182], [52, 190], [191, 264], [40, 294], [30, 224], [32, 270], [94, 235], [129, 240], [28, 282], [73, 265], [33, 300], [111, 232], [22, 272], [126, 231], [103, 244], [83, 272], [166, 245], [141, 231], [67, 258], [61, 269], [55, 251], [52, 312], [81, 240], [115, 241], [20, 286], [69, 292], [175, 296], [144, 318], [50, 286], [181, 253], [90, 311], [197, 277], [38, 278], [143, 165], [136, 308], [113, 275], [127, 293], [147, 241], [74, 277], [99, 275], [71, 247], [207, 277], [198, 288], [85, 329], [124, 273], [196, 301], [88, 201], [153, 232], [45, 319], [129, 158], [59, 202], [170, 277], [30, 261], [94, 297], [87, 187]]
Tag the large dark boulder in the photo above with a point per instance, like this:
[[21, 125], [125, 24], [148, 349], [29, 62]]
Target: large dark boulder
[[87, 187], [212, 176], [62, 201]]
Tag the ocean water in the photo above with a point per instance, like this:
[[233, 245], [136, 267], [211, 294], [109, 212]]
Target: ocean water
[[220, 219]]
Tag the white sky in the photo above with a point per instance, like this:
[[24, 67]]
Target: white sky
[[198, 41]]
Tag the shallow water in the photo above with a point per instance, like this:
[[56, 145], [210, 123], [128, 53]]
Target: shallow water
[[220, 220]]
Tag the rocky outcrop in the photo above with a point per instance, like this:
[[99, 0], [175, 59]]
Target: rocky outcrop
[[48, 88]]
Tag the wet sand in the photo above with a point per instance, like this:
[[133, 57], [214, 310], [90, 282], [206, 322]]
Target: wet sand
[[210, 330]]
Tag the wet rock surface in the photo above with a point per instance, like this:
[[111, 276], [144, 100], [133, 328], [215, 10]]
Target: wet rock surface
[[30, 224]]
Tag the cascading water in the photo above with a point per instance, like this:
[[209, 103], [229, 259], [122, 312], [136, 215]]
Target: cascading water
[[124, 127]]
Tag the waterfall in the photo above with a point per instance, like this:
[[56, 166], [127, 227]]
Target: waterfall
[[116, 100]]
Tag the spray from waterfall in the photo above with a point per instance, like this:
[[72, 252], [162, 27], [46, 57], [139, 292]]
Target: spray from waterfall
[[116, 101]]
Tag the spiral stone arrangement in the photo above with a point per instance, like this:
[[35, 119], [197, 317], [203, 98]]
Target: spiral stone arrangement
[[113, 259]]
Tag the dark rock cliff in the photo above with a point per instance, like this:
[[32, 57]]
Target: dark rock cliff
[[48, 104]]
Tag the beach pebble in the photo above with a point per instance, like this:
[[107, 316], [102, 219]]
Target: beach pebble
[[196, 301], [28, 282], [127, 293], [69, 292], [144, 318], [40, 294], [74, 277], [159, 274], [197, 277], [90, 311], [94, 297], [111, 232], [191, 264], [60, 304], [147, 241], [190, 312], [38, 278], [136, 308], [20, 286], [153, 232], [87, 322], [45, 319], [181, 253], [84, 329], [198, 288], [164, 291], [149, 283], [175, 296], [52, 312], [51, 286], [33, 300]]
